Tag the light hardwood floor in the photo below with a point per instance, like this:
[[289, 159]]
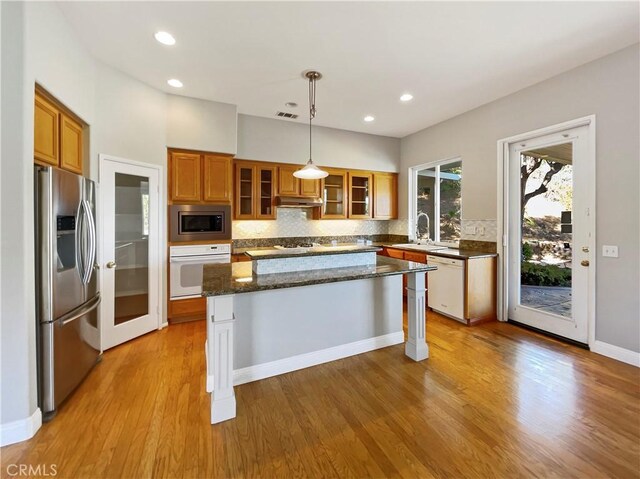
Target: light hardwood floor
[[492, 401]]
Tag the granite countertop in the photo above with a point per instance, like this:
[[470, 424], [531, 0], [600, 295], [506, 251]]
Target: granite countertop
[[448, 252], [272, 253], [234, 278]]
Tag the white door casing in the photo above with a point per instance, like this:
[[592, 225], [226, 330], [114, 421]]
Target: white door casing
[[113, 334], [581, 133]]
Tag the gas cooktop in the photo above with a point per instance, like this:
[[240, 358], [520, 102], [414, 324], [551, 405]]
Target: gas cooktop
[[294, 246]]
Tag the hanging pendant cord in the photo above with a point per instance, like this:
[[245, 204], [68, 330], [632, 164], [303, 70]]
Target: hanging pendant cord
[[312, 106]]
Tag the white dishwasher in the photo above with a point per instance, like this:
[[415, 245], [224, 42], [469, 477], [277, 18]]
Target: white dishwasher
[[446, 286]]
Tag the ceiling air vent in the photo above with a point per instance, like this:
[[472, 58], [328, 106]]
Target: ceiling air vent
[[283, 114]]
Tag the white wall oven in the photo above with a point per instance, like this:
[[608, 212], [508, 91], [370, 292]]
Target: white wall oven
[[187, 264], [200, 222]]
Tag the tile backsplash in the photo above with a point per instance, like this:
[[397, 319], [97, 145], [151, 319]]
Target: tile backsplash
[[294, 222]]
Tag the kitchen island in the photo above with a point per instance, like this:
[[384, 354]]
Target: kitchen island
[[262, 325]]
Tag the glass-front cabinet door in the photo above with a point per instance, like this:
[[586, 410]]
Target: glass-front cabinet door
[[360, 190], [334, 195], [245, 186], [255, 191], [266, 192]]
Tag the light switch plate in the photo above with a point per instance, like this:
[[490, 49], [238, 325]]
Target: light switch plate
[[610, 251], [470, 230]]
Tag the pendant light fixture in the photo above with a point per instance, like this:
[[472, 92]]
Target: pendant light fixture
[[311, 171]]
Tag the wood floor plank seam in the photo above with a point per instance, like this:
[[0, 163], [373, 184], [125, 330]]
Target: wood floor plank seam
[[492, 401]]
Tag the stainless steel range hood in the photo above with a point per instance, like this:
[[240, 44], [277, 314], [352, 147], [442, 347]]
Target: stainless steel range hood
[[298, 201]]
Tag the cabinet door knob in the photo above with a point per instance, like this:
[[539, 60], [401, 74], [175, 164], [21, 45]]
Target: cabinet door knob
[[584, 262], [111, 264]]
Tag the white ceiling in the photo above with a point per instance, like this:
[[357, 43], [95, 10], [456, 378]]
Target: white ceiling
[[452, 56]]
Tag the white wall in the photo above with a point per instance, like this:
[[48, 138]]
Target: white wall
[[16, 316], [126, 119], [71, 79], [201, 125], [285, 141], [608, 88], [130, 119]]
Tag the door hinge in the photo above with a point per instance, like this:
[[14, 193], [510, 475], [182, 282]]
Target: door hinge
[[504, 240]]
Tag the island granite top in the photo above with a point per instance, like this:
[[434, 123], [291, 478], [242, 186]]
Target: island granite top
[[272, 253], [235, 278]]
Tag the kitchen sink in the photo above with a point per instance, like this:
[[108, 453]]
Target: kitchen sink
[[420, 247]]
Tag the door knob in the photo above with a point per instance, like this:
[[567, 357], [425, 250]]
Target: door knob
[[111, 264], [584, 262]]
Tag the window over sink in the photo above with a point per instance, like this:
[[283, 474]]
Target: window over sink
[[437, 201]]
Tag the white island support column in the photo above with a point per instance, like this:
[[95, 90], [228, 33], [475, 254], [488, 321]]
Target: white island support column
[[416, 347], [219, 350]]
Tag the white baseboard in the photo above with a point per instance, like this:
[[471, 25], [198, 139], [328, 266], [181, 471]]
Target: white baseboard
[[282, 366], [616, 352], [21, 430]]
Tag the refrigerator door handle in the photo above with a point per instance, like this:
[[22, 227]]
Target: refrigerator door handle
[[80, 311], [90, 257], [79, 241]]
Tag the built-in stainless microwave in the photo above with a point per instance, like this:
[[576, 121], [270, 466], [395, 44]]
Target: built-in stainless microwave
[[200, 222]]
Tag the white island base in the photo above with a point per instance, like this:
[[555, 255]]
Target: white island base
[[256, 335]]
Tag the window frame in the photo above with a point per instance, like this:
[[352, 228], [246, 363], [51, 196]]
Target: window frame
[[413, 203]]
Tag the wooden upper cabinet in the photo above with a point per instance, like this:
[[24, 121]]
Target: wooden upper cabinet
[[57, 135], [334, 194], [70, 144], [385, 196], [289, 185], [200, 177], [185, 177], [309, 187], [255, 190], [45, 135], [218, 179], [245, 180], [360, 194], [265, 193]]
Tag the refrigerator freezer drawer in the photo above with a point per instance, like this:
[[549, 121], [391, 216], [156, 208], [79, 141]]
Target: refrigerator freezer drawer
[[70, 349]]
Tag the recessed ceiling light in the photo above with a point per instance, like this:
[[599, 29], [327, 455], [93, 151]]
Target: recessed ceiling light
[[291, 104], [174, 82], [406, 97], [165, 38], [369, 118]]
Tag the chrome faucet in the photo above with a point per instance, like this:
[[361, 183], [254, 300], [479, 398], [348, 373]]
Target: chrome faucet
[[420, 215]]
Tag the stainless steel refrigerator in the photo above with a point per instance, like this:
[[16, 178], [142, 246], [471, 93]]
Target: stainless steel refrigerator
[[68, 331]]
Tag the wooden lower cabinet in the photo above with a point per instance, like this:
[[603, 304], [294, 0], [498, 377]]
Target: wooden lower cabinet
[[183, 310], [479, 291], [237, 258]]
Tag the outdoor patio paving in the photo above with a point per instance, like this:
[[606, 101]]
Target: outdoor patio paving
[[552, 299]]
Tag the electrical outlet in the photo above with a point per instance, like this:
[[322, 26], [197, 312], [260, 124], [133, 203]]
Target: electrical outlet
[[610, 251], [481, 230]]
